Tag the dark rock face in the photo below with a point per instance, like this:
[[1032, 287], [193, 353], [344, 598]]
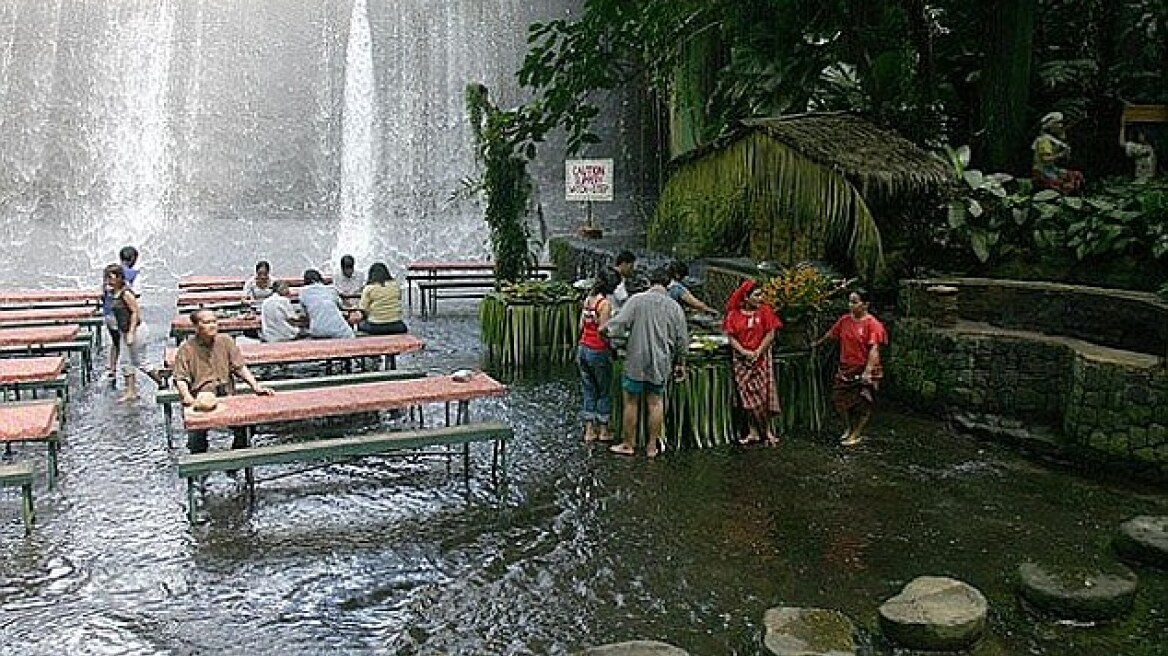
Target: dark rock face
[[635, 648], [935, 614], [1078, 595], [808, 632], [1144, 539]]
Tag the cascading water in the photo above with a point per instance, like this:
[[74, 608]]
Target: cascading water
[[359, 142], [213, 133]]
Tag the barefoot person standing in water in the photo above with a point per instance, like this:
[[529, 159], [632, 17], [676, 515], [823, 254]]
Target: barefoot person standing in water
[[860, 336]]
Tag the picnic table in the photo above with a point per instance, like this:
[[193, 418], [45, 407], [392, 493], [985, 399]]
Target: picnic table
[[231, 282], [55, 316], [455, 279], [322, 350], [33, 421], [182, 326], [34, 335], [47, 298], [223, 299], [45, 372]]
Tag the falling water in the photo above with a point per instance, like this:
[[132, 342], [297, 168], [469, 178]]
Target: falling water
[[359, 143]]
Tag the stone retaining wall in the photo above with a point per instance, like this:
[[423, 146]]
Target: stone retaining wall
[[1134, 321], [1103, 403]]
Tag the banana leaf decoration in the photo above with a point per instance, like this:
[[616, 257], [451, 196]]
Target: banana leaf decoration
[[529, 333]]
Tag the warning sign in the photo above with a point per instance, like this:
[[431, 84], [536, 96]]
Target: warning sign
[[588, 179]]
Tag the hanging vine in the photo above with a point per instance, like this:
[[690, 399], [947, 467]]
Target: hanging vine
[[505, 183]]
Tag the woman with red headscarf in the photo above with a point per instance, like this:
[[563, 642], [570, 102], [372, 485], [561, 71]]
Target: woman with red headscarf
[[751, 326]]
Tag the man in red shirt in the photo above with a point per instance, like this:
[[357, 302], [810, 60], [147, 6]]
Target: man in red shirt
[[860, 336]]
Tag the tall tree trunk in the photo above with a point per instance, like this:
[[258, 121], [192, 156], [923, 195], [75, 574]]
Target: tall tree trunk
[[1005, 84]]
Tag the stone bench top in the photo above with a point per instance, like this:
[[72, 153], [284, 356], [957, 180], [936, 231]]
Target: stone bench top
[[28, 422], [16, 297], [32, 335], [1088, 350], [1040, 286], [305, 350], [48, 314], [31, 370], [183, 324], [232, 282], [301, 405]]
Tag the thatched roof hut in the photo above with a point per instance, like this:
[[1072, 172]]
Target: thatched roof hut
[[791, 188]]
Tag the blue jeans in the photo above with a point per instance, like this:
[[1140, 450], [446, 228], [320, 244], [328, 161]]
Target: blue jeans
[[596, 382]]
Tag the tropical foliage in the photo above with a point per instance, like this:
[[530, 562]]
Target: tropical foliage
[[999, 217], [506, 184]]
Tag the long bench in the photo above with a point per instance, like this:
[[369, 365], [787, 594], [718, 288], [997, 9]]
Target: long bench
[[20, 475], [84, 348], [34, 374], [167, 398], [193, 467]]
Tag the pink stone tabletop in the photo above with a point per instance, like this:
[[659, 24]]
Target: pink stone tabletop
[[30, 370], [299, 405], [27, 421], [183, 324], [38, 335], [217, 296], [307, 350], [48, 295], [47, 314], [224, 282]]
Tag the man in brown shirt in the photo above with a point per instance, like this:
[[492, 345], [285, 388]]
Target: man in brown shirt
[[206, 362]]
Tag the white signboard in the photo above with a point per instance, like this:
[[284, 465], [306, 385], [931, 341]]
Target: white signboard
[[588, 179]]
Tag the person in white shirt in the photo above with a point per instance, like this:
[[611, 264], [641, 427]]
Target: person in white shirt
[[278, 319], [350, 283], [626, 264], [259, 286]]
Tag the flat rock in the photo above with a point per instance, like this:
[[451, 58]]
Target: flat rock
[[1144, 539], [936, 614], [1078, 594], [634, 648], [808, 632]]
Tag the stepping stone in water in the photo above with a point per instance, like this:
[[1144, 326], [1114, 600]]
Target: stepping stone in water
[[1144, 539], [1078, 595], [635, 648], [936, 614], [808, 632]]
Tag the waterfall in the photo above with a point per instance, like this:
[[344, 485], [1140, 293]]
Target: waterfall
[[213, 133], [358, 142]]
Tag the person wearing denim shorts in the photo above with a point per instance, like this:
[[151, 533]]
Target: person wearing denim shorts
[[655, 351]]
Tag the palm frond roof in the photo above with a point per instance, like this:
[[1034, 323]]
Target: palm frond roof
[[876, 160]]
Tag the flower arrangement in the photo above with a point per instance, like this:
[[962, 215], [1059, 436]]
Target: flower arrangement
[[800, 291]]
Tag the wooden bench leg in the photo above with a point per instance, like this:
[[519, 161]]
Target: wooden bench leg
[[167, 419], [192, 485], [27, 509], [52, 472]]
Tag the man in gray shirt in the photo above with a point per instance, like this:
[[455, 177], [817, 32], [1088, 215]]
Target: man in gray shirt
[[656, 348], [322, 306]]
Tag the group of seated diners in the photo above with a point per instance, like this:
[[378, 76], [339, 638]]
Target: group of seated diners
[[370, 304]]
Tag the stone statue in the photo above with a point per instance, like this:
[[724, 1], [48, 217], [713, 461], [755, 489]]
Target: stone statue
[[1051, 151]]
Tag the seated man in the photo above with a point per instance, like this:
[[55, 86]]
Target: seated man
[[322, 306], [259, 286], [279, 320], [350, 283], [207, 362]]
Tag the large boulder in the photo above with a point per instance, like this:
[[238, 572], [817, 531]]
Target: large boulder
[[808, 632], [635, 648], [1144, 539], [1078, 594], [936, 614]]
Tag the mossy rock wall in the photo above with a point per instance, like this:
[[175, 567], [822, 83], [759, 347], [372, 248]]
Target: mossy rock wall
[[1104, 403]]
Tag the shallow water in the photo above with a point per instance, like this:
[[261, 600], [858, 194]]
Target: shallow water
[[398, 556]]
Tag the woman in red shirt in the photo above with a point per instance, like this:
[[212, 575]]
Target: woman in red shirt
[[860, 336], [594, 358], [751, 326]]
